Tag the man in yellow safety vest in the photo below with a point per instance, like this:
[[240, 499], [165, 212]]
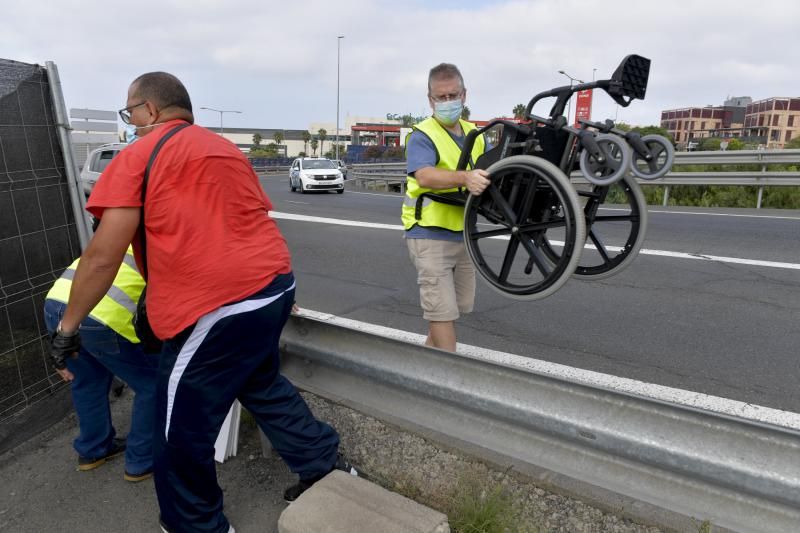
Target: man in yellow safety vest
[[445, 274], [106, 345]]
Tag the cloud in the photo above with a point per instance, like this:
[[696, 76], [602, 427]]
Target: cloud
[[277, 60]]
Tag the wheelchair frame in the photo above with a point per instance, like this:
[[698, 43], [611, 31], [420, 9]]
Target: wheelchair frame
[[530, 194]]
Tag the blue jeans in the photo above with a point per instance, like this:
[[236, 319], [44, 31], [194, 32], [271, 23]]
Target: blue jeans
[[104, 353]]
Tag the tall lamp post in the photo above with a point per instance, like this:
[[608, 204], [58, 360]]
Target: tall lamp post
[[338, 61], [221, 112], [569, 102]]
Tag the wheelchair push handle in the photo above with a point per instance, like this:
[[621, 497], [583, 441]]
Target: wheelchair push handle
[[628, 82]]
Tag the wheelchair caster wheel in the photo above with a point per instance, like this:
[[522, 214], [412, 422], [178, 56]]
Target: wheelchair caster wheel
[[617, 155], [527, 197], [663, 155]]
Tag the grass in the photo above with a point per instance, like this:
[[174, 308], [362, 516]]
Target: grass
[[705, 527], [476, 507]]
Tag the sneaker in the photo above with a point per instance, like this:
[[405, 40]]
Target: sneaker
[[135, 478], [89, 463], [344, 466], [294, 492]]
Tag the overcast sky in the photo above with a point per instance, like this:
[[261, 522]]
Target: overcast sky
[[276, 61]]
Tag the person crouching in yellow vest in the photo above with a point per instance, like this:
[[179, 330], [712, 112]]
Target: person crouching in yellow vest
[[108, 347], [445, 274]]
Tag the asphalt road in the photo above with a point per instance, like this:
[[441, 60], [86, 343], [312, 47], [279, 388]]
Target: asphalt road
[[717, 327]]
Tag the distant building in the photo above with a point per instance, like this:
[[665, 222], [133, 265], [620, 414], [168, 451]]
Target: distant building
[[771, 122], [690, 124], [776, 120]]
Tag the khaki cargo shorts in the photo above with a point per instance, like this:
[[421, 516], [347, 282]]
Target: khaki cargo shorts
[[445, 276]]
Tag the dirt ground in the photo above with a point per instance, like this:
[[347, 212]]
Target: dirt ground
[[41, 490]]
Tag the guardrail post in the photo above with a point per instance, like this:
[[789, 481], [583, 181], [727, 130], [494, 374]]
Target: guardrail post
[[666, 195], [761, 188]]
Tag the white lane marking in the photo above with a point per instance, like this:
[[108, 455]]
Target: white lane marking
[[703, 213], [335, 221], [643, 251], [293, 202], [653, 391]]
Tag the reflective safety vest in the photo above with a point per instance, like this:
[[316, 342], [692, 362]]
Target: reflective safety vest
[[118, 306], [433, 213]]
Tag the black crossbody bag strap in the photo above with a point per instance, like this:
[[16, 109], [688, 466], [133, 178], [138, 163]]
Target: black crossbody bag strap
[[142, 231]]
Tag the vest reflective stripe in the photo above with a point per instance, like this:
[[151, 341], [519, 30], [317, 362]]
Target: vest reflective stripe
[[130, 261], [412, 203], [433, 213], [115, 293], [117, 307]]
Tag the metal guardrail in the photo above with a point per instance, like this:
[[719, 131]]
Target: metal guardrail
[[738, 473], [390, 177], [394, 173], [271, 169]]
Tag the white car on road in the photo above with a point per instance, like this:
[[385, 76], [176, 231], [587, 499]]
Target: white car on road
[[315, 174]]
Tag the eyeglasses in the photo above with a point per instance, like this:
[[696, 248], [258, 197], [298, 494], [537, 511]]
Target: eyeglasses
[[125, 112], [447, 97]]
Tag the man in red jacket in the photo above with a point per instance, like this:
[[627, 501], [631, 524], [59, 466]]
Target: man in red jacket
[[220, 289]]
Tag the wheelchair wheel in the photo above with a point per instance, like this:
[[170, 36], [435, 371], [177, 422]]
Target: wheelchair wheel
[[527, 197], [663, 156], [614, 233], [617, 160]]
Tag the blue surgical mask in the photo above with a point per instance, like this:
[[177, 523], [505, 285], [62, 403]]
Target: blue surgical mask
[[448, 112], [130, 133]]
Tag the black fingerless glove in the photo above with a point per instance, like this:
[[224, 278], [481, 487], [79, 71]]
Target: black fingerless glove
[[63, 346]]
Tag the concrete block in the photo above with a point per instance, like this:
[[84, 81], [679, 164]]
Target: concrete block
[[342, 503]]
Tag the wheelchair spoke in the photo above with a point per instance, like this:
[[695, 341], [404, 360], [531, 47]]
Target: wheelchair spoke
[[508, 213], [512, 197], [508, 260], [535, 255], [601, 249], [541, 226], [527, 200]]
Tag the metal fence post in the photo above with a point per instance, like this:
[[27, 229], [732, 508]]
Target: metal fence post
[[666, 195], [77, 198]]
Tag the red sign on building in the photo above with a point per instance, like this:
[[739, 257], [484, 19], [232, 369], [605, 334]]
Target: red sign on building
[[583, 106]]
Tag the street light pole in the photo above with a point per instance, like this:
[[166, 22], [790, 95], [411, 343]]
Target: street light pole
[[221, 111], [338, 61], [569, 102]]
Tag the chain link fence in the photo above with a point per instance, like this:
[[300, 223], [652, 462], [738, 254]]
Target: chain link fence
[[38, 234]]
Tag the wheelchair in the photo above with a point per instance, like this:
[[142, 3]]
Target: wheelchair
[[532, 228]]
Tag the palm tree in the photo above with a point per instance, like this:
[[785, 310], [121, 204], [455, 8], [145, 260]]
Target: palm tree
[[465, 113], [257, 138], [306, 138], [322, 134], [314, 144], [519, 111], [278, 136]]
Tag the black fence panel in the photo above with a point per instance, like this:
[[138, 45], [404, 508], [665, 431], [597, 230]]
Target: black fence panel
[[38, 237]]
